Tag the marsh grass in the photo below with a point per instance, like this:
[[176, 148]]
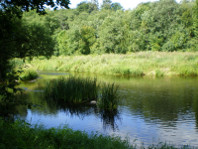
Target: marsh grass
[[28, 74], [76, 90], [72, 90], [133, 64], [108, 100]]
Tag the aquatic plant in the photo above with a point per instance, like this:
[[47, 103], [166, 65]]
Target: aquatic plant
[[108, 100], [28, 74], [78, 90], [72, 90]]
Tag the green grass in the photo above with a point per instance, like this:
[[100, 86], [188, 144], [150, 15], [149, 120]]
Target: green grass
[[28, 74], [76, 90], [20, 135], [108, 100], [154, 64], [71, 90]]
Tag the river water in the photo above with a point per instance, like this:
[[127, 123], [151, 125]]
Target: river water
[[151, 110]]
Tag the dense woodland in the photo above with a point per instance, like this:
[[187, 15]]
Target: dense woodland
[[164, 25]]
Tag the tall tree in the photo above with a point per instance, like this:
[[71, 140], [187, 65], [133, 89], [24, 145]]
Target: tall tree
[[19, 40], [106, 4]]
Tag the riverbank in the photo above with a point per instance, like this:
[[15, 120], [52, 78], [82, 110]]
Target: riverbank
[[21, 135], [27, 136], [154, 64]]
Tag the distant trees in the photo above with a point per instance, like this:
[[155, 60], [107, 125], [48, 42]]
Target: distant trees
[[164, 25]]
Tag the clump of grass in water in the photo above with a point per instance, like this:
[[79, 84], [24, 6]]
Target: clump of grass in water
[[72, 90], [28, 74], [82, 90], [108, 100]]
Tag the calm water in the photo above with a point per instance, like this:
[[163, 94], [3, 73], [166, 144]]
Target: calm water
[[152, 111]]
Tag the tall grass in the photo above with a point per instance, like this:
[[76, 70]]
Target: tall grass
[[20, 135], [72, 90], [28, 74], [82, 90], [108, 100], [156, 64]]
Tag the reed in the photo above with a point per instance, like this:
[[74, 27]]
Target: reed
[[72, 90], [108, 100], [28, 74], [82, 90], [133, 64]]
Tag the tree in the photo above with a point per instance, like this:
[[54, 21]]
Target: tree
[[20, 40], [106, 4], [116, 6]]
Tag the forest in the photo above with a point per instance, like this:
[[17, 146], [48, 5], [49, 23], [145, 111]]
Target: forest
[[164, 25]]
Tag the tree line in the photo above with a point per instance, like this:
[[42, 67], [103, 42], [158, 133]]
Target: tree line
[[164, 25]]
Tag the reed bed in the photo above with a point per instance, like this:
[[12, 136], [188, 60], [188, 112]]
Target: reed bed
[[72, 90], [78, 90], [155, 64], [108, 100]]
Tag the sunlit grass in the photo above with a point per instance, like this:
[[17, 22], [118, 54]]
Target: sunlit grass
[[82, 90], [22, 135], [156, 64], [72, 90], [28, 74], [108, 100]]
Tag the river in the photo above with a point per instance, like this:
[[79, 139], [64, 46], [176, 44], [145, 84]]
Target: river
[[151, 110]]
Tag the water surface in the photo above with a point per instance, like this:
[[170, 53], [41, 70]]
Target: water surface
[[151, 111]]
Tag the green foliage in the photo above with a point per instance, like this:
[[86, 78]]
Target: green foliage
[[28, 74], [108, 100], [134, 64], [72, 90], [22, 135], [82, 90], [20, 38]]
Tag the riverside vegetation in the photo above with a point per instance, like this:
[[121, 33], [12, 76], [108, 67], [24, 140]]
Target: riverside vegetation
[[154, 64], [74, 91], [27, 136]]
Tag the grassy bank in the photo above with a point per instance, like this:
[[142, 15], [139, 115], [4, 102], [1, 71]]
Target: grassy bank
[[157, 64], [20, 135]]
